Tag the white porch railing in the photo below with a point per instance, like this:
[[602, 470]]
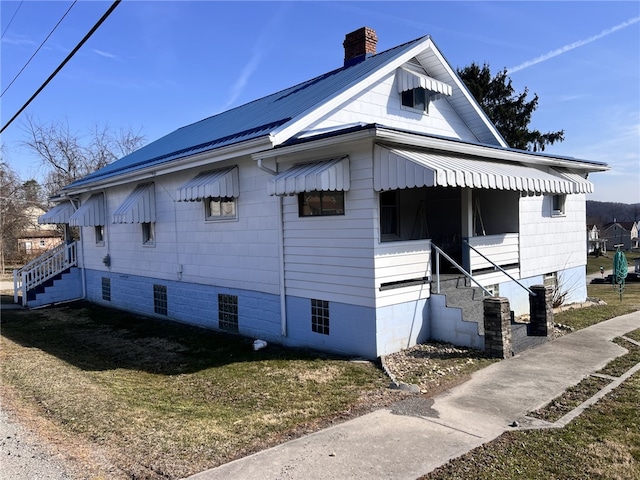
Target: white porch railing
[[490, 250], [43, 268]]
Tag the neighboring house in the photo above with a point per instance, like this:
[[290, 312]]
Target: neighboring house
[[37, 239], [594, 242], [311, 217], [633, 233], [624, 234]]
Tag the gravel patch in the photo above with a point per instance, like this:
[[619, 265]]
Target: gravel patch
[[22, 456]]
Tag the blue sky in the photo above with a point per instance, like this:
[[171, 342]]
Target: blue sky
[[155, 66]]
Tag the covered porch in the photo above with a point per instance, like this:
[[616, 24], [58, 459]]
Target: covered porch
[[467, 207]]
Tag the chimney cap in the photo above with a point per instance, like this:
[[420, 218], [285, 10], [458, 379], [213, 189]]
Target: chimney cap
[[359, 45]]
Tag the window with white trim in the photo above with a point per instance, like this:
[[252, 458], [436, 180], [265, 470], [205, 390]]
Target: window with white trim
[[99, 229], [389, 229], [317, 203], [558, 205], [416, 99], [148, 234], [220, 208]]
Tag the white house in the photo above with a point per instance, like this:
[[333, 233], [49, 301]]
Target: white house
[[316, 216]]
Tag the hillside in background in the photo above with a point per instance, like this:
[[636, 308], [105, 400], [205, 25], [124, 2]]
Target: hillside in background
[[601, 213]]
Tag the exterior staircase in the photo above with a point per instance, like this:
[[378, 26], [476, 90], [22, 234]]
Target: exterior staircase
[[458, 305], [50, 278]]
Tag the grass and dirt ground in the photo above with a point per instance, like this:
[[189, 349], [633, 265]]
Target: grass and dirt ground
[[123, 396]]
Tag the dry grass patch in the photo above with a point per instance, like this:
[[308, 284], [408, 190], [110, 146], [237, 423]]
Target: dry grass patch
[[602, 444], [584, 317], [168, 400]]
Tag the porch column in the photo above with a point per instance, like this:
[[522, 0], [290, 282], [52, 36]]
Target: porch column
[[466, 211], [497, 327], [541, 311]]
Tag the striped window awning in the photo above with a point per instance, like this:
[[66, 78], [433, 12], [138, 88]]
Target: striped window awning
[[90, 213], [328, 175], [408, 80], [215, 183], [58, 214], [397, 169], [138, 207]]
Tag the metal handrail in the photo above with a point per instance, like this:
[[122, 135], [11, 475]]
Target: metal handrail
[[498, 267], [453, 262]]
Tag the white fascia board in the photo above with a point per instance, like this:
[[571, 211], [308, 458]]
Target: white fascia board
[[193, 161], [467, 94], [315, 144], [297, 125], [406, 139]]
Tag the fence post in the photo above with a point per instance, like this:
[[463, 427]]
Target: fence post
[[541, 311], [497, 327]]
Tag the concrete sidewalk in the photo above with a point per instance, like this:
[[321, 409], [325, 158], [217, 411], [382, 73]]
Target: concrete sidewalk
[[417, 435]]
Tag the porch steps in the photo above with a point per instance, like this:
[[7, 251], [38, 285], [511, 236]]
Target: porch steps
[[65, 286], [41, 288], [461, 294]]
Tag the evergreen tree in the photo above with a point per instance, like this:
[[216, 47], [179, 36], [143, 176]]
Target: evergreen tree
[[509, 111]]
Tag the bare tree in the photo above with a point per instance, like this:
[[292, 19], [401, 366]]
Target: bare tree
[[68, 156], [13, 217]]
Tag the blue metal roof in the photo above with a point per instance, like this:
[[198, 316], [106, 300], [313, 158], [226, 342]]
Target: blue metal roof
[[252, 120]]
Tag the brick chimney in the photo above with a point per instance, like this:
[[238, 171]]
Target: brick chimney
[[359, 45]]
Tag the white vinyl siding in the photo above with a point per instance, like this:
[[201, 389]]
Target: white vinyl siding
[[547, 243], [238, 254], [332, 257], [382, 104]]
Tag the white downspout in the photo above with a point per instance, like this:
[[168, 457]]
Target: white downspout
[[283, 298]]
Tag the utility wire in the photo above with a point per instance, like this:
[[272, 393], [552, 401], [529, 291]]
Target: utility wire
[[38, 49], [64, 62], [12, 17]]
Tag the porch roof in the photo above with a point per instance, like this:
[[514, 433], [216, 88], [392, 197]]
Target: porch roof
[[328, 175], [90, 213], [58, 214], [214, 183], [138, 207], [398, 168]]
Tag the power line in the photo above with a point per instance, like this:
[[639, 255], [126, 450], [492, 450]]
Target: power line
[[38, 49], [12, 17], [64, 62]]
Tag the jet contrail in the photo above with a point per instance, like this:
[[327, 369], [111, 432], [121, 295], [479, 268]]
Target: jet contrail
[[571, 46]]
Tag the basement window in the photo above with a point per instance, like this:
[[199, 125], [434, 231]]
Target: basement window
[[160, 299], [106, 289], [320, 316], [228, 312]]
